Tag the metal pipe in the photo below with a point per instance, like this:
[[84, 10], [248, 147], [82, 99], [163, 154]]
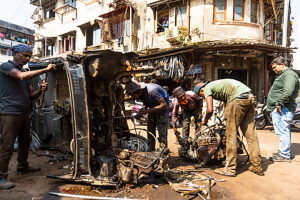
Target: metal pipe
[[266, 76], [88, 197], [130, 29], [285, 22]]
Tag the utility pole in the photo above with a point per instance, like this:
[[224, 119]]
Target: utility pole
[[285, 22]]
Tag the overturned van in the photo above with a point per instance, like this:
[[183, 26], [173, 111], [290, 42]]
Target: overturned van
[[84, 107]]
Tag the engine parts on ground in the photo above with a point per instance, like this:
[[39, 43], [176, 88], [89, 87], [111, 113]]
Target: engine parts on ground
[[208, 143]]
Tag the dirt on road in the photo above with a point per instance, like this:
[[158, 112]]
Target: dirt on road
[[281, 180]]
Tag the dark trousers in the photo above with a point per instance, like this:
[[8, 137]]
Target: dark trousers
[[187, 121], [240, 113], [158, 120], [12, 126]]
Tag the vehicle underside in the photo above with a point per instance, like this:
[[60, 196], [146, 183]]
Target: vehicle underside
[[105, 151]]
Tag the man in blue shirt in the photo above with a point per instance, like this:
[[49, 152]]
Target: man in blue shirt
[[156, 101], [15, 95]]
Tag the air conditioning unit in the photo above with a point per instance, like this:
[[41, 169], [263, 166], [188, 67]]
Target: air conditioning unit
[[37, 18]]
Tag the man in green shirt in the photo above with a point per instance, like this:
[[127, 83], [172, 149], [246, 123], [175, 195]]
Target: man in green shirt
[[281, 101], [239, 112]]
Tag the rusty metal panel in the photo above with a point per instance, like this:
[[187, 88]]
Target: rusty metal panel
[[80, 117]]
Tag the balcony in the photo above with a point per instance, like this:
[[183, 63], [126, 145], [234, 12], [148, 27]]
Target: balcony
[[8, 43]]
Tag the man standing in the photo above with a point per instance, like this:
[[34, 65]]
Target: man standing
[[15, 94], [191, 105], [281, 101], [239, 112], [156, 101]]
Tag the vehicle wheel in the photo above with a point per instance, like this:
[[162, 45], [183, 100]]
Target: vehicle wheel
[[260, 123], [135, 143]]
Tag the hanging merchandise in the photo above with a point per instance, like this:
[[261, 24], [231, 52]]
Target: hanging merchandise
[[168, 67], [194, 69]]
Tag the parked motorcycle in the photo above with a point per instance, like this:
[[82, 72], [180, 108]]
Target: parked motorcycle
[[265, 118]]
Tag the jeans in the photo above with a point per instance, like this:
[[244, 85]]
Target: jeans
[[283, 130], [158, 120], [187, 121]]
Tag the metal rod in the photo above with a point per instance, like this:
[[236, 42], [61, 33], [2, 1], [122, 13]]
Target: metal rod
[[88, 197], [285, 22]]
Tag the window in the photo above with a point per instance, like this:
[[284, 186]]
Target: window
[[254, 11], [238, 10], [220, 10], [67, 43], [181, 16], [93, 35], [71, 3], [48, 10], [162, 21], [169, 18]]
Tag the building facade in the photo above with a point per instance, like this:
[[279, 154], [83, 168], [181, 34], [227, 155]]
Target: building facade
[[183, 40], [12, 34]]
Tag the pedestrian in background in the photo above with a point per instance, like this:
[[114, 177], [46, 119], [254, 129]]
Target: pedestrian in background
[[239, 112], [281, 101], [156, 102], [16, 92]]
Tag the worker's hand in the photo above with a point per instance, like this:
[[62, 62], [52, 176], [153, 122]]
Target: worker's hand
[[143, 111], [175, 130], [50, 67], [44, 86], [204, 123], [279, 109]]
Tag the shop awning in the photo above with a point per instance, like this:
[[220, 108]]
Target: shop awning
[[213, 46]]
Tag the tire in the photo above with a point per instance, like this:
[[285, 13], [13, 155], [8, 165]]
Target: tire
[[260, 123], [135, 142]]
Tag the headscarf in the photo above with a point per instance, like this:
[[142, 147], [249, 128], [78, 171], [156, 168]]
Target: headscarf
[[21, 48]]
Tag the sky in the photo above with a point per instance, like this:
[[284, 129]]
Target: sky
[[20, 11]]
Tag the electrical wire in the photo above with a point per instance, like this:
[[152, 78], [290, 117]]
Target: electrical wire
[[21, 5]]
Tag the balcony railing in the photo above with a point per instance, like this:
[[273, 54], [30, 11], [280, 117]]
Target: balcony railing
[[38, 2]]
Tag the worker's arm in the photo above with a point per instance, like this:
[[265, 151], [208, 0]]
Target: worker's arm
[[175, 114], [30, 74], [162, 106], [209, 109], [35, 94]]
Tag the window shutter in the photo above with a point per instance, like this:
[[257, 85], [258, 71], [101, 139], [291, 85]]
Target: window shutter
[[172, 16]]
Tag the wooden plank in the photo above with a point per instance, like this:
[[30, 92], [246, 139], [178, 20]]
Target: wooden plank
[[274, 9]]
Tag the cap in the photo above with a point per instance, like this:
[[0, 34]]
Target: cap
[[178, 91], [199, 86], [134, 86]]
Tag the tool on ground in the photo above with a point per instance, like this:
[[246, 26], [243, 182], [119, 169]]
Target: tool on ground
[[200, 196], [209, 188], [222, 180]]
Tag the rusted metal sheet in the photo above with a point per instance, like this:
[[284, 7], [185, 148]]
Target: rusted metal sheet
[[80, 117]]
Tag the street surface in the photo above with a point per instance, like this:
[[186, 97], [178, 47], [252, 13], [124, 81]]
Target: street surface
[[281, 180]]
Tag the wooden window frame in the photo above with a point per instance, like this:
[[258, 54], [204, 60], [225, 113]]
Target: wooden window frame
[[256, 3], [215, 11], [243, 10]]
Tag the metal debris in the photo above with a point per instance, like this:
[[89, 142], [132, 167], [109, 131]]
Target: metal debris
[[88, 197]]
